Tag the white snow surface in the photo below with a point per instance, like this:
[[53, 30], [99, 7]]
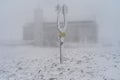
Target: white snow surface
[[35, 63]]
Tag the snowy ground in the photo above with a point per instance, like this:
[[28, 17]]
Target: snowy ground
[[84, 63]]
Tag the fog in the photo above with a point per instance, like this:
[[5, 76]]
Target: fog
[[39, 40], [14, 14]]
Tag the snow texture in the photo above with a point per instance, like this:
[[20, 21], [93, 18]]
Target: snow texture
[[34, 63]]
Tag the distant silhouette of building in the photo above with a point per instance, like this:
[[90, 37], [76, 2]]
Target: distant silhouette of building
[[45, 33], [28, 32]]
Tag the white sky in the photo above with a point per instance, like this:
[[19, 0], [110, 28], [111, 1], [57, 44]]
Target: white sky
[[15, 13]]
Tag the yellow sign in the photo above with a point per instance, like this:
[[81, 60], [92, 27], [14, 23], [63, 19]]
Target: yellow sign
[[62, 34]]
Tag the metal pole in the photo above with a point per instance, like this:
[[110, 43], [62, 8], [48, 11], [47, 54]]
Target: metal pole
[[61, 50], [61, 57], [61, 30]]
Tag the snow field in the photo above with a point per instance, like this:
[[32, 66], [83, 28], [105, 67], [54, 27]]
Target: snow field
[[34, 63]]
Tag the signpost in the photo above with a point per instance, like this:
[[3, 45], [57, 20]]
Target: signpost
[[61, 10]]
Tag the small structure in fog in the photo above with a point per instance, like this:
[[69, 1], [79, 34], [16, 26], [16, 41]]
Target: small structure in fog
[[45, 33]]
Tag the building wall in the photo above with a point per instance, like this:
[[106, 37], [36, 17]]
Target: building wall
[[28, 32], [38, 27], [50, 34], [80, 32], [84, 32]]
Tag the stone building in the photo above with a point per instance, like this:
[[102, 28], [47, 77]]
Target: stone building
[[80, 32], [45, 33]]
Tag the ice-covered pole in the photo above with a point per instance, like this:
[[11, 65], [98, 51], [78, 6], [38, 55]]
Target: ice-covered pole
[[61, 29]]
